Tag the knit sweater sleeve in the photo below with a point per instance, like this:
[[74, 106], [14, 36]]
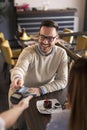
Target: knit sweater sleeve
[[61, 77], [22, 65]]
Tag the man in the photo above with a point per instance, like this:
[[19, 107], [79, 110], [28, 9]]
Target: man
[[43, 66]]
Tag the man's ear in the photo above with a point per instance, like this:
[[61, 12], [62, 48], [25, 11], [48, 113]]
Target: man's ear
[[57, 38]]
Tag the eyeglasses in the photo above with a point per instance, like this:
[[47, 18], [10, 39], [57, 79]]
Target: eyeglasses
[[49, 38]]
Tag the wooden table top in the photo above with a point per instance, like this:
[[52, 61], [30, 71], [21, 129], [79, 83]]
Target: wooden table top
[[34, 119]]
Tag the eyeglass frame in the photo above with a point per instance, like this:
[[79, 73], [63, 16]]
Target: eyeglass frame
[[49, 38]]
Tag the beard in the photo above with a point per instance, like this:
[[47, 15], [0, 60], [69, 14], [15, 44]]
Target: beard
[[45, 48]]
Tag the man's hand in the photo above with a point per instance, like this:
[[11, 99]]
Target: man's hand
[[17, 83], [35, 91]]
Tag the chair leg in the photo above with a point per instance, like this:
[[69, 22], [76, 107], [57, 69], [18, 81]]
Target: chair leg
[[5, 68], [6, 72]]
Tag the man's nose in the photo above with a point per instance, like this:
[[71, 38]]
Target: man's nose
[[45, 41]]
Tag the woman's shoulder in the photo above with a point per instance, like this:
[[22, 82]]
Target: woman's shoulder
[[64, 114], [59, 121]]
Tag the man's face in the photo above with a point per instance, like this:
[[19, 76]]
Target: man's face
[[47, 38]]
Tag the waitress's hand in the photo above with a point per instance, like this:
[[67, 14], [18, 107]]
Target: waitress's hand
[[66, 105], [35, 91], [17, 84]]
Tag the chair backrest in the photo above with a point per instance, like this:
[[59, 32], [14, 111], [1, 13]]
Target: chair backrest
[[68, 39], [2, 38], [81, 42], [7, 53]]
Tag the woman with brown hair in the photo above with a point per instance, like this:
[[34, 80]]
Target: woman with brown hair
[[77, 91], [74, 118]]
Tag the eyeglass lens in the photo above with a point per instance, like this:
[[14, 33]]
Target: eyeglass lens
[[49, 38]]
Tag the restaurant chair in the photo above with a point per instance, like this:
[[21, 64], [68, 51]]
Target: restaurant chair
[[13, 43], [68, 39], [10, 57], [15, 52], [2, 38], [81, 45]]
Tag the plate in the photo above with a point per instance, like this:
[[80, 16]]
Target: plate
[[54, 109]]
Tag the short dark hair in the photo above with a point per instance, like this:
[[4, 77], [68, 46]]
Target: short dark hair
[[49, 23]]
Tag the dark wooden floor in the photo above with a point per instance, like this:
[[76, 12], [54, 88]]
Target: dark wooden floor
[[4, 87]]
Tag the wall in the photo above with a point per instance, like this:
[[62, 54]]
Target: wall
[[85, 20], [59, 4], [8, 20]]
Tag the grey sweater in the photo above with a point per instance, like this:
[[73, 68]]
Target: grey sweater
[[48, 72]]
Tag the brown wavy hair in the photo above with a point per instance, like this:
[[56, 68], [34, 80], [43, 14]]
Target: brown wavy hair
[[77, 93]]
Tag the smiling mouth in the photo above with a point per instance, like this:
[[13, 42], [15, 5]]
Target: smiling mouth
[[45, 45]]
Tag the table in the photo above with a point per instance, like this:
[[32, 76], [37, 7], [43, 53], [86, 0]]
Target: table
[[24, 44], [81, 52], [65, 44], [36, 120]]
